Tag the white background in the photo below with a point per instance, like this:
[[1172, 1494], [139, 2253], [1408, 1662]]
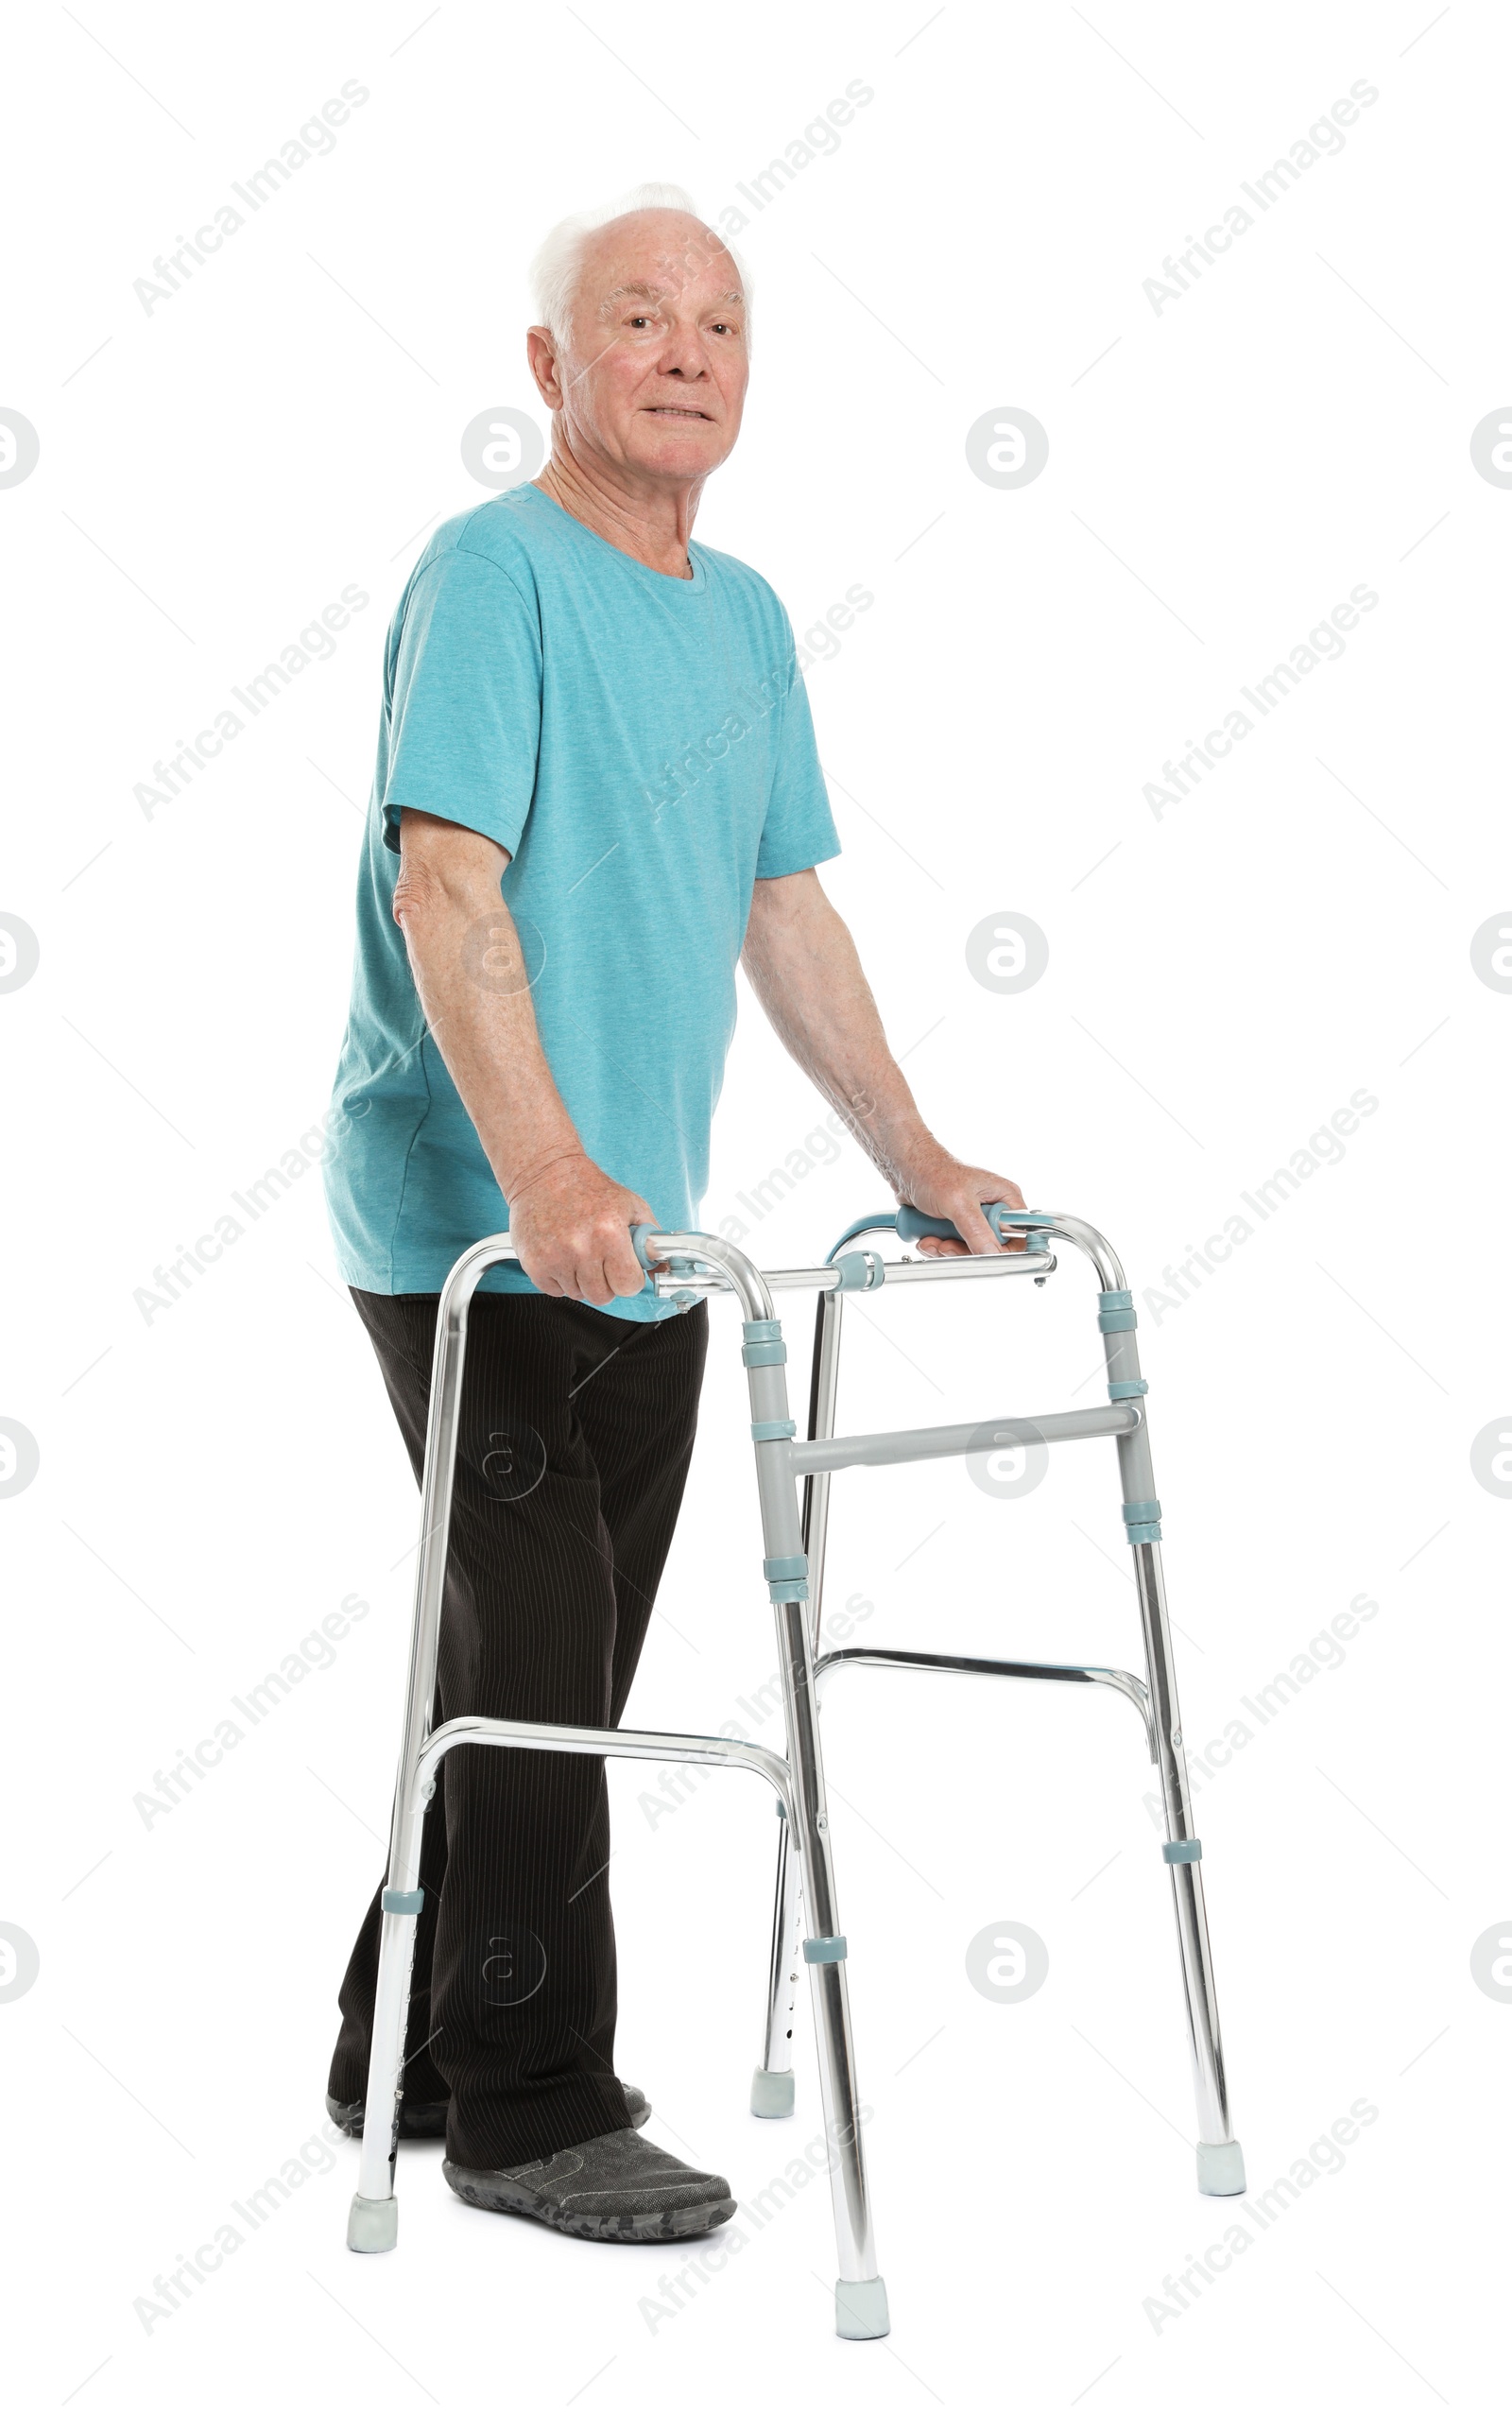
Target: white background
[[1222, 978]]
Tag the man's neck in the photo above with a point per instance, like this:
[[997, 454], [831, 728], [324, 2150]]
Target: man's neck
[[652, 524]]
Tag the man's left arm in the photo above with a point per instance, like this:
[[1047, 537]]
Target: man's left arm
[[801, 961]]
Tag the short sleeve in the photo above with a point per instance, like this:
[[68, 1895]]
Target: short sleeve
[[464, 709], [799, 830]]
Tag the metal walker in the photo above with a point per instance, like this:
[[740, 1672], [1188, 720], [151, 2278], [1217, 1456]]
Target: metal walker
[[691, 1265]]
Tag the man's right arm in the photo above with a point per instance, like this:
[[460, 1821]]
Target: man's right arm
[[569, 1221]]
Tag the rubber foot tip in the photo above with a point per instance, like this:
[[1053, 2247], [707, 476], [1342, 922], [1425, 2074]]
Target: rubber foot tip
[[771, 2094], [372, 2224], [861, 2308], [1221, 2169]]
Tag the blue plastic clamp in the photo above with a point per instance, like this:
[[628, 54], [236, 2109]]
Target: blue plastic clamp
[[796, 1565], [763, 1344], [862, 1270], [403, 1905], [824, 1948], [1115, 1311], [638, 1232], [1036, 1235], [1171, 1853], [773, 1428], [1141, 1520], [1126, 1391]]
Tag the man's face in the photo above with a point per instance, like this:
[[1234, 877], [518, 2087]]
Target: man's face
[[653, 376]]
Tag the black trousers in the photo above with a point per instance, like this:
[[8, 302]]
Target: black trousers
[[574, 1435]]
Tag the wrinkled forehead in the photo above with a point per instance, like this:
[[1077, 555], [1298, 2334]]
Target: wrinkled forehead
[[657, 256]]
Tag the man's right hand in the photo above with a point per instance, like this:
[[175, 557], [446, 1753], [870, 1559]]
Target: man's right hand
[[570, 1228]]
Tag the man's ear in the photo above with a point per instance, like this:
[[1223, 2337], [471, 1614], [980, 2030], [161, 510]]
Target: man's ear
[[540, 351]]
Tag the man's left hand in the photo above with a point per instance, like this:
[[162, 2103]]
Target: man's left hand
[[941, 1184]]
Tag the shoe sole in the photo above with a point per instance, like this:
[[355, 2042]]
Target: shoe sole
[[419, 2119], [491, 2191]]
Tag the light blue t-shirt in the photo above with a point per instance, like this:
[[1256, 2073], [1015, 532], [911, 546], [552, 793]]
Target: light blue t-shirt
[[643, 747]]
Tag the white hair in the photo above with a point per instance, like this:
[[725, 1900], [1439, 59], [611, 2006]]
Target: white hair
[[558, 266]]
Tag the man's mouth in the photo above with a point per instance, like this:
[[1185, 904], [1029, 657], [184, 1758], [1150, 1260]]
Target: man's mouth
[[674, 410]]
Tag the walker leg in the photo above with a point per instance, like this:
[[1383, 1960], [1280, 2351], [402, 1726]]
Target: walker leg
[[771, 2085], [1220, 2158], [860, 2296], [1220, 2161], [372, 2224]]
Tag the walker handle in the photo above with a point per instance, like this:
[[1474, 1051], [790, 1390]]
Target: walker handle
[[913, 1225]]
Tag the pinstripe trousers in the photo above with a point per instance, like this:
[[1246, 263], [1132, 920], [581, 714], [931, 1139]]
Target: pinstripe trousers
[[573, 1441]]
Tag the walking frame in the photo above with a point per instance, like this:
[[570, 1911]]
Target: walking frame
[[793, 1482]]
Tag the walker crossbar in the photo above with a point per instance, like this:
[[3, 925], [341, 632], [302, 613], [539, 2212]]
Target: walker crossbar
[[600, 1742], [703, 1283], [959, 1440], [1116, 1680], [793, 1480]]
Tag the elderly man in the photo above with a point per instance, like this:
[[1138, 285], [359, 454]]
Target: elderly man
[[596, 790]]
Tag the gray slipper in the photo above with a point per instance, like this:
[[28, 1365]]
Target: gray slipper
[[429, 2119], [619, 2189]]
